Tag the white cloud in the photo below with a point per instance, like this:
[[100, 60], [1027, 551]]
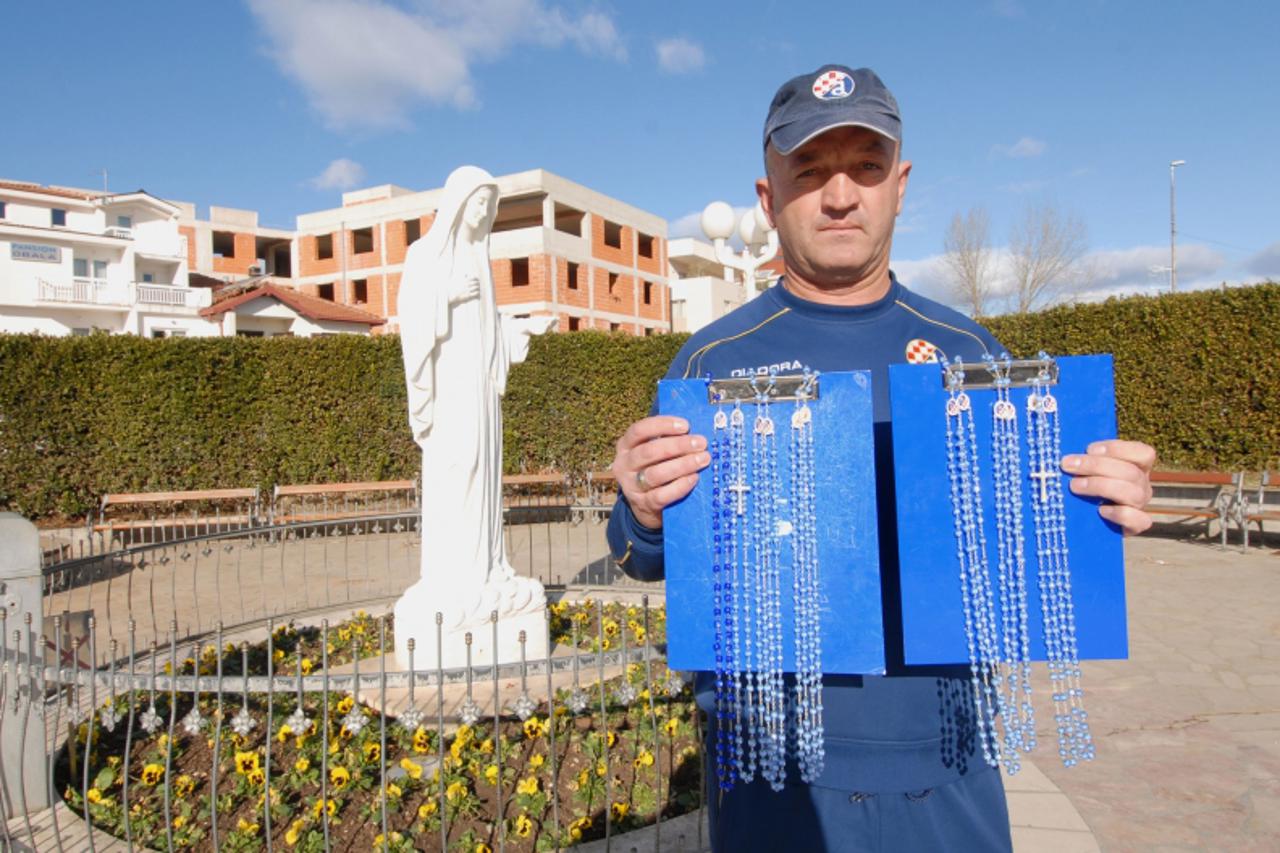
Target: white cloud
[[1143, 269], [1007, 8], [1024, 148], [370, 62], [1104, 273], [680, 56], [690, 225], [341, 174], [1266, 263]]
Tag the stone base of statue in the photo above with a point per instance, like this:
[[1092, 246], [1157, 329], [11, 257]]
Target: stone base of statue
[[520, 605]]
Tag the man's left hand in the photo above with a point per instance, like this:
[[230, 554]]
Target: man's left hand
[[1118, 472]]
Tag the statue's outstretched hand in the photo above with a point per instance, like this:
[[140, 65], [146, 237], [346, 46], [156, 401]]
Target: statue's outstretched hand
[[657, 464], [464, 290]]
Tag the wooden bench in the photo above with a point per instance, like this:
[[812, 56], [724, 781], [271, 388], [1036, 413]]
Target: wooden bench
[[1264, 506], [533, 492], [244, 512], [1206, 496], [348, 499]]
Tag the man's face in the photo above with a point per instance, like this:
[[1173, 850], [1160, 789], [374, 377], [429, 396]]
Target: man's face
[[834, 201]]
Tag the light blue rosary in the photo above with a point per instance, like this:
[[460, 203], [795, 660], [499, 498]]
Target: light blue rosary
[[1000, 655], [747, 532]]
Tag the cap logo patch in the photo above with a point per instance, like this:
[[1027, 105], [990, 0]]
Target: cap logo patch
[[832, 86], [920, 351]]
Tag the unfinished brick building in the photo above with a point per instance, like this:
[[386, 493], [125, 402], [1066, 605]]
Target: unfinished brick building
[[557, 248]]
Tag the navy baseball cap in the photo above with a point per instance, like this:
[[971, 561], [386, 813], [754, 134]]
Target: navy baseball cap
[[832, 96]]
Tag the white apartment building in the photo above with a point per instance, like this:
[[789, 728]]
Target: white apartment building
[[72, 261], [703, 289]]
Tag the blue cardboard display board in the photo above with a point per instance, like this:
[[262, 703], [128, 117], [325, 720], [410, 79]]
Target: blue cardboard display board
[[932, 616], [845, 509]]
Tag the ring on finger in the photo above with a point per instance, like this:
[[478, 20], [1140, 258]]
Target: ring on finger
[[641, 481]]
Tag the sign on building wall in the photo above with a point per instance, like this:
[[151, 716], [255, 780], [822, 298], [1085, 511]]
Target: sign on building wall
[[35, 252]]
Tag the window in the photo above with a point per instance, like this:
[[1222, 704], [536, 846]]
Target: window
[[613, 280], [325, 291], [520, 272], [324, 247], [58, 217], [360, 287], [645, 246], [148, 278], [612, 234], [224, 244], [648, 331], [568, 220], [412, 231], [573, 275], [648, 293], [248, 333], [99, 269], [1, 210], [79, 267], [81, 332], [124, 221], [613, 327], [362, 240], [574, 324]]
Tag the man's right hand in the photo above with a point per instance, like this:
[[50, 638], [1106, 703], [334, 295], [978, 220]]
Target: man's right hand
[[657, 464]]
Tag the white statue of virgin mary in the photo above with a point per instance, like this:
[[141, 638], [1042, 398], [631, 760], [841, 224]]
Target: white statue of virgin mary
[[458, 349]]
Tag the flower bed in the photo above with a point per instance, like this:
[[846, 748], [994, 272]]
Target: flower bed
[[299, 778]]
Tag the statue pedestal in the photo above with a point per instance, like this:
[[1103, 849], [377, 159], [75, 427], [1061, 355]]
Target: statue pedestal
[[417, 619]]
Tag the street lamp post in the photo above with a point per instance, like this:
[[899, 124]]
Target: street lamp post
[[1173, 226], [760, 238]]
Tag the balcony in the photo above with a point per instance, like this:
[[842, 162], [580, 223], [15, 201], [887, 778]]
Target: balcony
[[80, 291], [96, 291], [147, 293]]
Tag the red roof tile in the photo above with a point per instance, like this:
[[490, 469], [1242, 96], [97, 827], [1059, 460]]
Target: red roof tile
[[63, 192], [311, 307]]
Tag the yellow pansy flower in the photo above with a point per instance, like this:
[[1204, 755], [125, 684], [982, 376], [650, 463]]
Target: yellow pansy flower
[[246, 762], [537, 760], [524, 826], [527, 785], [339, 777], [491, 774], [152, 773], [427, 809], [302, 764], [619, 810]]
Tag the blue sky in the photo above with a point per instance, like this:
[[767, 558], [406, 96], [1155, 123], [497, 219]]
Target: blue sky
[[279, 105]]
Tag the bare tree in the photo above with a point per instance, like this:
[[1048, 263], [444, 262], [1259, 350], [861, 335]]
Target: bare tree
[[1046, 249], [968, 259]]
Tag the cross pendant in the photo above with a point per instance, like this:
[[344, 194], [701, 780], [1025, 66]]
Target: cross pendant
[[1043, 476], [740, 489]]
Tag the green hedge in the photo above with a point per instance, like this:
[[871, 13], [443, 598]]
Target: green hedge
[[1197, 375]]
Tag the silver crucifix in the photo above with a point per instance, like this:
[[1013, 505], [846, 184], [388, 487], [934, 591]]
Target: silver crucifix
[[1043, 476], [740, 489]]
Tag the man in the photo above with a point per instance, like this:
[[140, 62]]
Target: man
[[902, 768]]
